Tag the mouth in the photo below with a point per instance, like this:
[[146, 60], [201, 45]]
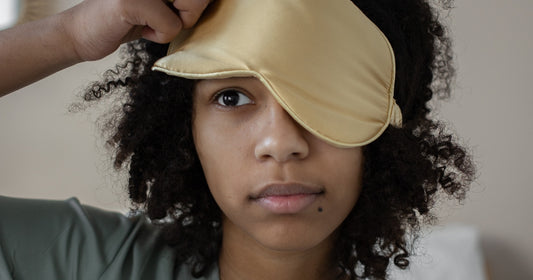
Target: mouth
[[287, 198]]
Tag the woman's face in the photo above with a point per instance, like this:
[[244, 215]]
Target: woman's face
[[277, 185]]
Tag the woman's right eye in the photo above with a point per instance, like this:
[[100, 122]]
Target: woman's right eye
[[232, 98]]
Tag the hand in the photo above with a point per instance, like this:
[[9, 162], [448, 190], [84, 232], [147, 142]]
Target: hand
[[88, 31], [98, 27]]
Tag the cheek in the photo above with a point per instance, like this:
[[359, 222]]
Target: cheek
[[350, 175], [221, 158], [343, 170], [211, 149]]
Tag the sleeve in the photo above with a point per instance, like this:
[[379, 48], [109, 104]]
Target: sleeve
[[41, 239]]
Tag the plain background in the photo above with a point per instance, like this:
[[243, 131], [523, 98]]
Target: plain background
[[47, 152]]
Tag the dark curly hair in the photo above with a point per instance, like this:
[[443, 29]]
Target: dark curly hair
[[404, 169]]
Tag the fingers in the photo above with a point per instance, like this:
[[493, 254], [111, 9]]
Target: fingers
[[98, 27], [160, 23], [190, 10]]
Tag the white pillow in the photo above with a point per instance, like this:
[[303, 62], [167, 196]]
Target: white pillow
[[445, 253]]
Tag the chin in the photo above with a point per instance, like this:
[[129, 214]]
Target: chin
[[291, 239]]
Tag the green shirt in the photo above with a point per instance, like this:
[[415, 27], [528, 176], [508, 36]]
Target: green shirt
[[41, 239]]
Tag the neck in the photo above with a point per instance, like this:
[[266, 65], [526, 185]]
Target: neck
[[242, 257]]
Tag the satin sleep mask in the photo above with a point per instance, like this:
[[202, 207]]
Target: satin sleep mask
[[325, 62]]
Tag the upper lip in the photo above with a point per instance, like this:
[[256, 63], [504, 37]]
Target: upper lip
[[286, 189]]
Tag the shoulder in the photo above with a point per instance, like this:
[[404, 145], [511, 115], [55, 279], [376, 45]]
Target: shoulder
[[59, 238], [48, 221]]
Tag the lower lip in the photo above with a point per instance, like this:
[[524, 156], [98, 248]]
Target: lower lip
[[287, 204]]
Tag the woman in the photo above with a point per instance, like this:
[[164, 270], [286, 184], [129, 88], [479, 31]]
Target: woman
[[238, 148]]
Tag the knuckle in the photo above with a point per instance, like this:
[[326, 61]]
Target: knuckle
[[188, 18]]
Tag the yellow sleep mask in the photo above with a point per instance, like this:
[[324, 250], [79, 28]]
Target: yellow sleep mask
[[324, 61]]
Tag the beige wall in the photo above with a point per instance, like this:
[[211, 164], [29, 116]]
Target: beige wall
[[492, 111], [46, 152]]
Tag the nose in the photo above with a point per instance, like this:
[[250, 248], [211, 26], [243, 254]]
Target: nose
[[280, 137]]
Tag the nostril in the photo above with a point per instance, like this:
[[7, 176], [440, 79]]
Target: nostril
[[290, 147], [297, 155]]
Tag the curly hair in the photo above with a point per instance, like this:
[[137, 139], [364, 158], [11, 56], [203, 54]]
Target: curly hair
[[404, 170]]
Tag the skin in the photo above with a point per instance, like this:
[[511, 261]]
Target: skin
[[89, 31], [254, 144]]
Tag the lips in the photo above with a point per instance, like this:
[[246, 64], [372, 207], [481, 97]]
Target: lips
[[286, 198]]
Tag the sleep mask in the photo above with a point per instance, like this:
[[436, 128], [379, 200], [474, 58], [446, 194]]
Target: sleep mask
[[325, 62]]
